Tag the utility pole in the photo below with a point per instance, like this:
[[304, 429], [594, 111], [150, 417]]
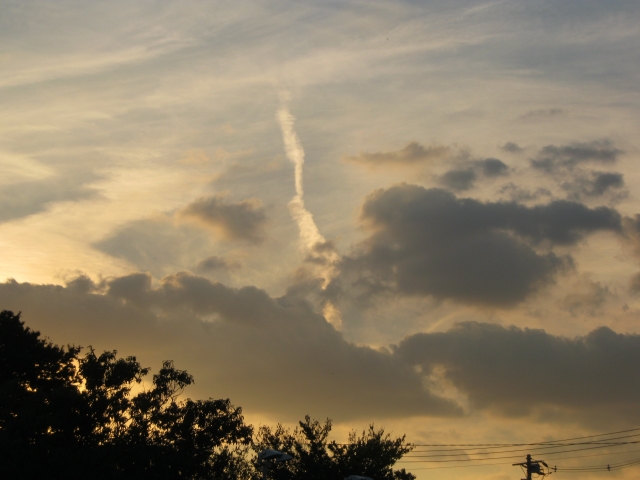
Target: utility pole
[[532, 466]]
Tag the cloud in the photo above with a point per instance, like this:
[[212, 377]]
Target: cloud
[[631, 239], [269, 355], [542, 114], [519, 194], [312, 242], [463, 178], [552, 158], [215, 263], [243, 220], [428, 242], [595, 184], [492, 167], [512, 147], [517, 371], [589, 301], [567, 164], [277, 356], [634, 284], [604, 181], [459, 179], [412, 154], [19, 200], [156, 245]]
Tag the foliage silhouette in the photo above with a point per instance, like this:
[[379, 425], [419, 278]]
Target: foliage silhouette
[[371, 454], [62, 415]]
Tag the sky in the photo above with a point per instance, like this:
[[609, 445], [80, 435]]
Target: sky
[[418, 214]]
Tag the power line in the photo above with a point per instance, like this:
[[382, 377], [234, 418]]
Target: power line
[[508, 456], [547, 448], [542, 450], [519, 444], [596, 468], [540, 445]]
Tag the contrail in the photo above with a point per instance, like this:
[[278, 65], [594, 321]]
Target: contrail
[[309, 233], [310, 236]]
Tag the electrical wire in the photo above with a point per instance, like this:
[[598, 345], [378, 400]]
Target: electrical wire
[[520, 444], [540, 450], [596, 468], [512, 456], [546, 448], [558, 443]]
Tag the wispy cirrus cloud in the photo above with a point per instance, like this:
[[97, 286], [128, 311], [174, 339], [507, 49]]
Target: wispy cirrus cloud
[[413, 154]]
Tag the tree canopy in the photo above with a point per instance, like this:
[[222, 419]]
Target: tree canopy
[[63, 414], [371, 453]]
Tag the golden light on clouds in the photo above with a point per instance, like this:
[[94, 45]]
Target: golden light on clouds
[[442, 206]]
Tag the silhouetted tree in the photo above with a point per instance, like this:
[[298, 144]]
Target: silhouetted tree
[[372, 453], [63, 415]]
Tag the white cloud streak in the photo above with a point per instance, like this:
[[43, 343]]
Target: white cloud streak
[[309, 233], [310, 236]]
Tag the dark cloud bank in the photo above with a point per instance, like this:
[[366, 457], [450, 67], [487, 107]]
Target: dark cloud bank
[[429, 242], [276, 355], [268, 354], [515, 371]]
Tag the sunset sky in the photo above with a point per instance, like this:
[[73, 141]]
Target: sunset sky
[[423, 214]]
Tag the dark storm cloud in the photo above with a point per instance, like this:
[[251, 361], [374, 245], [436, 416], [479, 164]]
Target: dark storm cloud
[[428, 242], [18, 200], [243, 220], [270, 355], [514, 371], [412, 154], [552, 158]]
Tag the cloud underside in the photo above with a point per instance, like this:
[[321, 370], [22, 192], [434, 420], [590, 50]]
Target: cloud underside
[[428, 242], [275, 355], [243, 220], [267, 354], [515, 371]]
